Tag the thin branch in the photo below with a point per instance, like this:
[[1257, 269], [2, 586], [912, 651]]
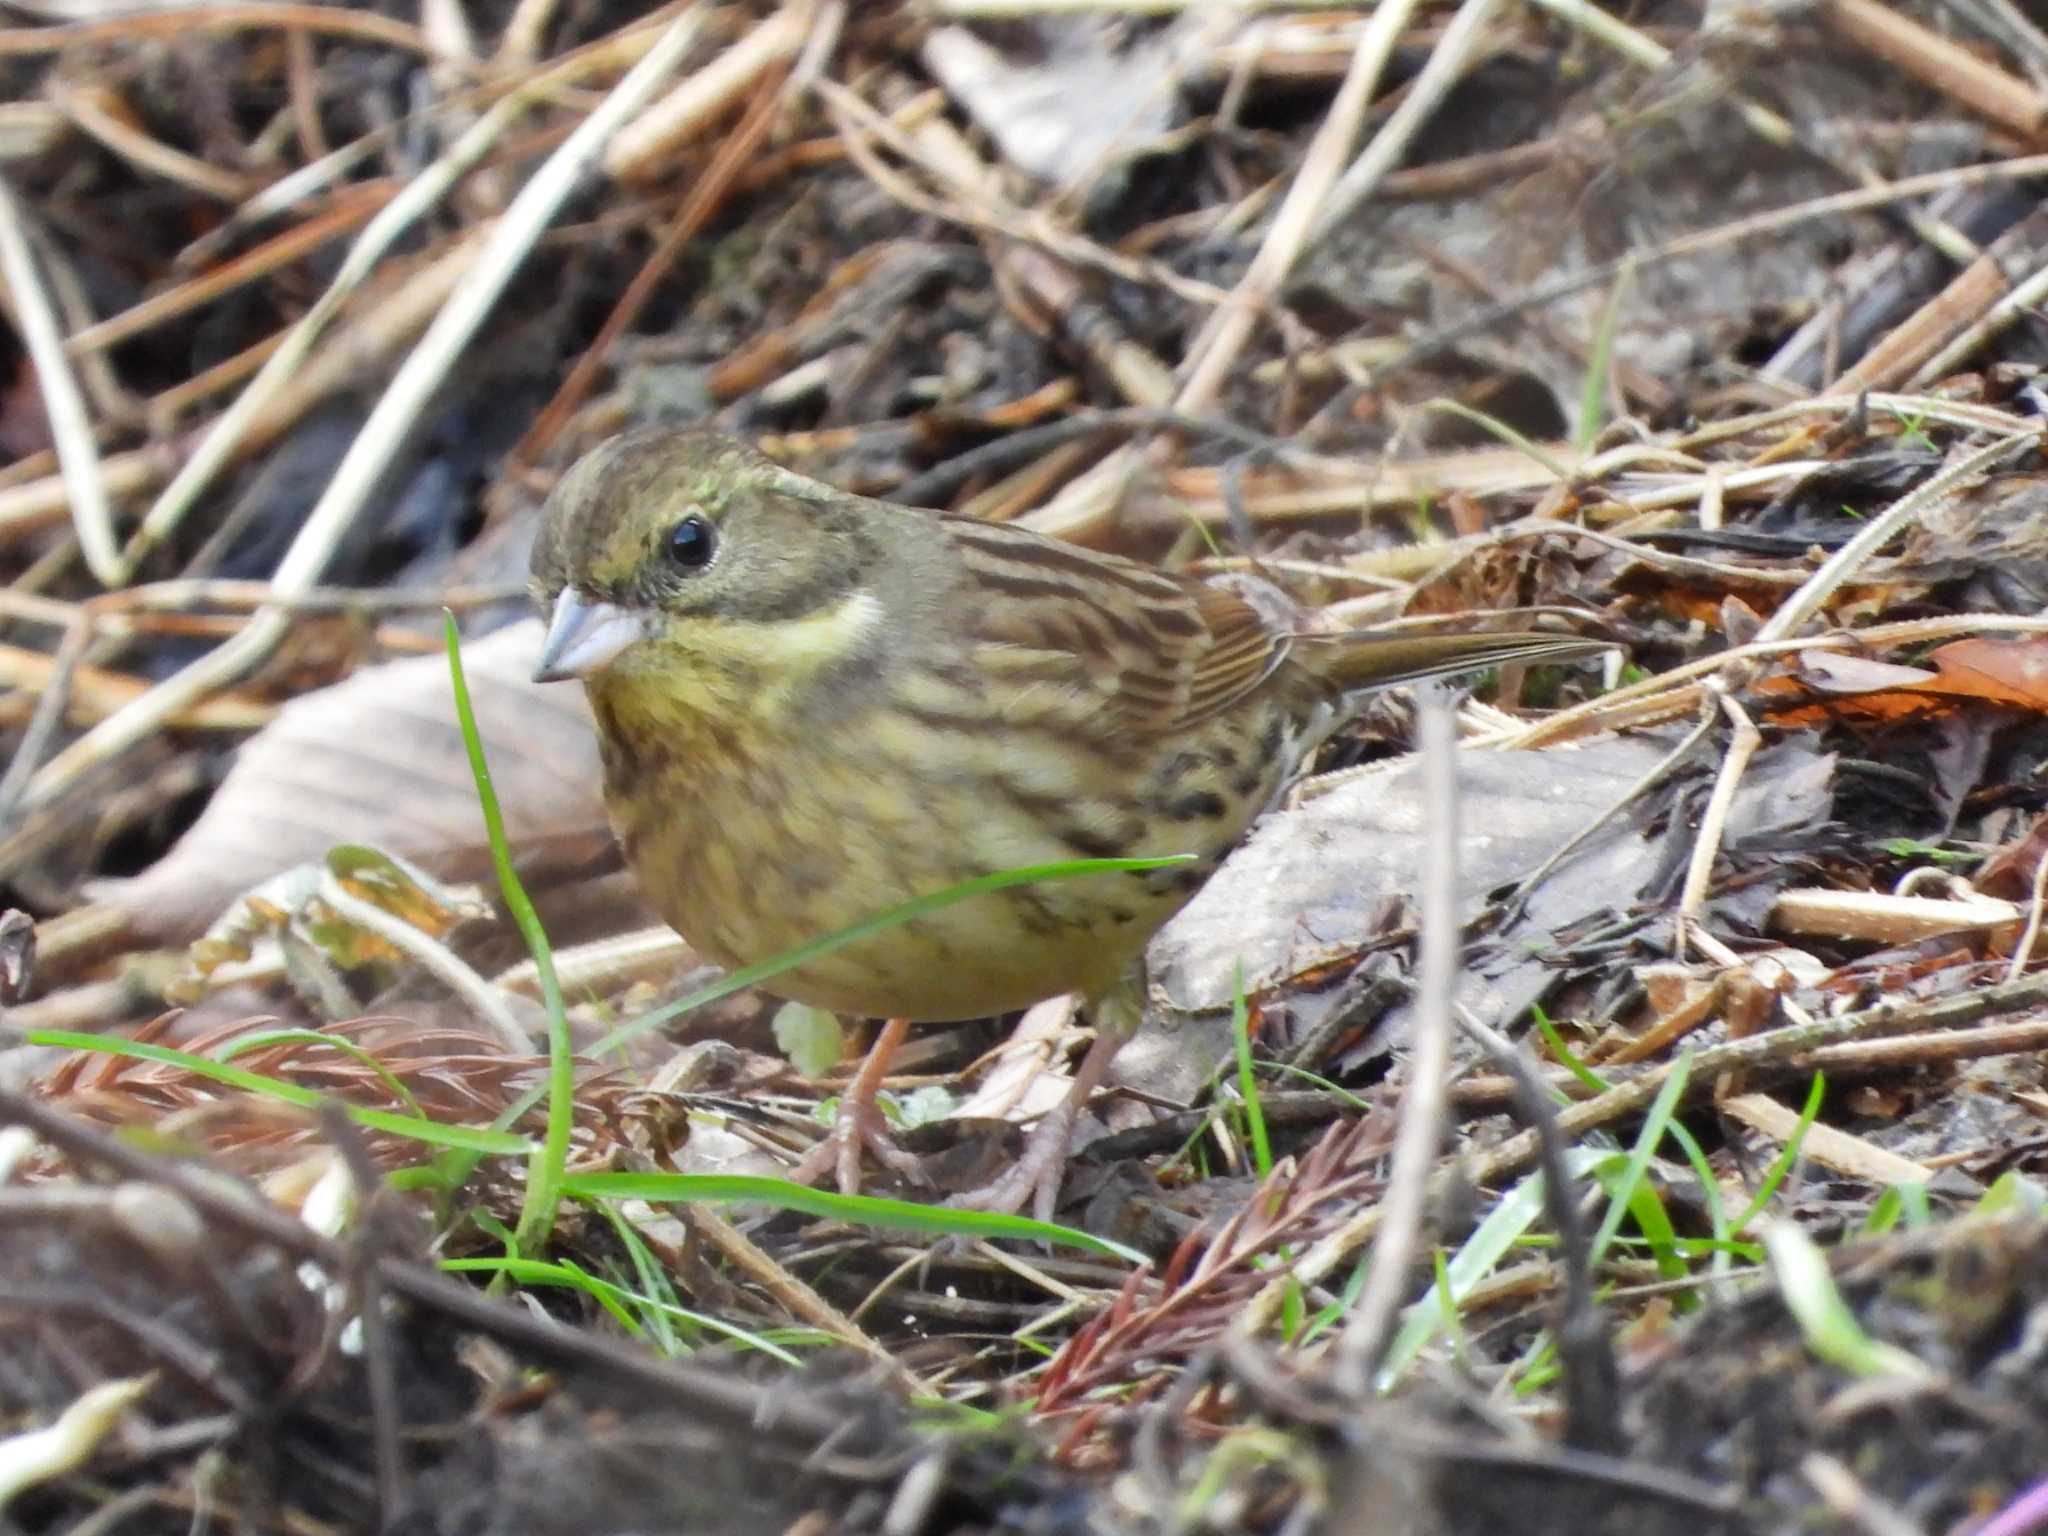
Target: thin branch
[[393, 417], [43, 339]]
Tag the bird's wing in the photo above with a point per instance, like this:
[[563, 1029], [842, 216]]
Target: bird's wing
[[1153, 651], [1243, 650]]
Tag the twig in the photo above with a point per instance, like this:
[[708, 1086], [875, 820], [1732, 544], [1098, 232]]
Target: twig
[[646, 147], [1882, 529], [1767, 971], [2023, 951], [1762, 121], [2021, 301], [1735, 232], [435, 958], [348, 208], [1827, 1145], [1793, 1041], [42, 725], [1948, 67], [1864, 1057], [1802, 1042], [95, 694], [797, 1297], [69, 425], [392, 418], [226, 438], [115, 405], [1665, 690], [1592, 1386], [1526, 886], [719, 1396], [1421, 1132], [1222, 339], [1706, 847], [1440, 72], [1850, 1498], [219, 15], [707, 193], [93, 108], [2005, 23], [978, 204]]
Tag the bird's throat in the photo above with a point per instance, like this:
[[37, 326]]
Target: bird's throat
[[704, 678]]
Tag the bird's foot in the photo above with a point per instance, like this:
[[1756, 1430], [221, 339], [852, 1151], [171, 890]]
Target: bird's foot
[[858, 1126], [1035, 1178], [1037, 1175]]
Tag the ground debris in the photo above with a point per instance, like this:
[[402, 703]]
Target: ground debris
[[1712, 333]]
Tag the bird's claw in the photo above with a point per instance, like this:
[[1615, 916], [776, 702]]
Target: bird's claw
[[859, 1125], [1034, 1179], [1009, 1193]]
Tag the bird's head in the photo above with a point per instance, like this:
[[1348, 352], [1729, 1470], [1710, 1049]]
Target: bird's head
[[684, 557]]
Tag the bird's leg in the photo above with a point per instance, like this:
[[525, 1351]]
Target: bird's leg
[[860, 1122], [1036, 1176]]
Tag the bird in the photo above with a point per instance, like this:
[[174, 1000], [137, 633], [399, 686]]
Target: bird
[[813, 706]]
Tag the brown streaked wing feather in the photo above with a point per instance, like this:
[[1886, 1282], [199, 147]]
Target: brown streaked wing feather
[[1243, 651], [1358, 660], [1158, 652]]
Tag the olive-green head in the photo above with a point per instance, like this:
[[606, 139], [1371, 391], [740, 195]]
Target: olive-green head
[[666, 546]]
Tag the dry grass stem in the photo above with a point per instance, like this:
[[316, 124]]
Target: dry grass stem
[[100, 113], [85, 489], [1956, 72], [644, 148], [1744, 740], [1825, 1144], [497, 258], [1402, 1207], [350, 208], [802, 1302], [1216, 350], [1446, 63]]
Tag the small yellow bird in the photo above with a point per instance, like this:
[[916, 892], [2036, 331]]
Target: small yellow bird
[[814, 706]]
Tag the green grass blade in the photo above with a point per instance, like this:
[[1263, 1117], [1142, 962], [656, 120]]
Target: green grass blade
[[1565, 1055], [1722, 1246], [1247, 1082], [1781, 1165], [1504, 1226], [1830, 1329], [860, 1210], [1622, 1194], [241, 1045], [1346, 1299], [921, 906], [545, 1167], [1316, 1080], [1520, 442], [615, 1299], [652, 1279], [752, 975], [1600, 363]]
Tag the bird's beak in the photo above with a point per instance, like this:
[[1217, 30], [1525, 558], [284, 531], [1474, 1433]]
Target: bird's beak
[[584, 635]]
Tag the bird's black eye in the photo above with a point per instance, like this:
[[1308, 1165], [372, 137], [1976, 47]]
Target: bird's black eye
[[691, 542]]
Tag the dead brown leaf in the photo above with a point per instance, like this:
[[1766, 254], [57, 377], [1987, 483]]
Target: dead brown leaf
[[2012, 673], [378, 759]]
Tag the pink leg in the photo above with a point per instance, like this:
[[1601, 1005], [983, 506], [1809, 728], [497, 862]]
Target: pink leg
[[860, 1122], [1036, 1175]]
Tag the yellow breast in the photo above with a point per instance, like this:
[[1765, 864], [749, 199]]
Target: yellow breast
[[754, 840]]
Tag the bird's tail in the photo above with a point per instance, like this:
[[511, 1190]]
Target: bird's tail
[[1355, 660]]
